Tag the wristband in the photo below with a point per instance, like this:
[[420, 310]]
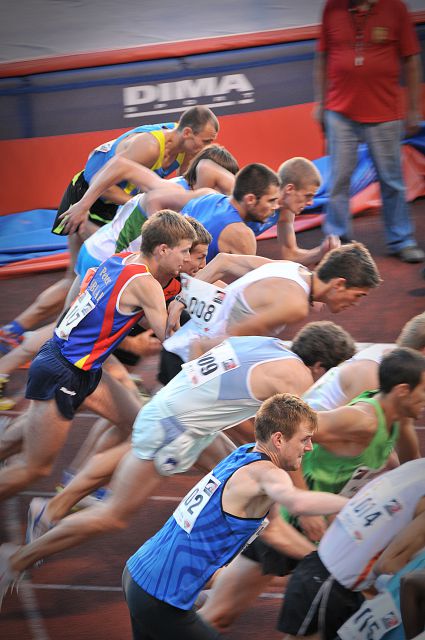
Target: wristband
[[180, 299]]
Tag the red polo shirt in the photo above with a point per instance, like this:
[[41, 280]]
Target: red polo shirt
[[370, 90]]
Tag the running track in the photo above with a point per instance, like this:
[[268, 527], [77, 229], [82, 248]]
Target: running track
[[77, 595]]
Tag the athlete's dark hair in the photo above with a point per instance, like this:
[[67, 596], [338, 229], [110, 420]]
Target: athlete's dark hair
[[165, 227], [196, 118], [218, 154], [203, 236], [325, 342], [401, 366], [352, 262], [255, 178], [282, 412]]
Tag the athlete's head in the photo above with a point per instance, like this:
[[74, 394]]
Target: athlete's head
[[257, 191], [168, 236], [350, 272], [198, 127], [322, 345], [216, 153], [199, 249], [413, 333], [299, 181], [402, 374], [284, 425]]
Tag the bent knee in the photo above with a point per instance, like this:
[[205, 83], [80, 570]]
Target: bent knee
[[221, 620], [38, 472], [115, 523]]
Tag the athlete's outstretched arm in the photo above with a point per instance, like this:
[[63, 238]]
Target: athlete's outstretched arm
[[230, 265], [114, 171], [277, 484]]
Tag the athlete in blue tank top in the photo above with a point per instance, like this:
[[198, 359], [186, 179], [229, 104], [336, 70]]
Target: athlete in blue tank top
[[198, 528], [216, 212], [216, 519], [100, 156]]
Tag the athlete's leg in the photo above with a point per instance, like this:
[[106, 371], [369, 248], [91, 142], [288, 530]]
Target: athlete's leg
[[26, 350], [47, 305], [12, 437], [113, 401], [45, 433], [133, 483], [95, 473], [237, 585], [117, 370], [233, 590], [214, 453], [242, 433], [51, 301], [72, 292], [86, 450]]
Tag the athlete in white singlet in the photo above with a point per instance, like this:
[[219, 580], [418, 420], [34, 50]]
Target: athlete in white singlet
[[331, 579], [214, 392], [329, 392], [263, 301], [235, 307]]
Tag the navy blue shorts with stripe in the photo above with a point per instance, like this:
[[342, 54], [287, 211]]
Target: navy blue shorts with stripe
[[53, 376]]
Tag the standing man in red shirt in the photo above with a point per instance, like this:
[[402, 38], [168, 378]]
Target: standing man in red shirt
[[362, 47]]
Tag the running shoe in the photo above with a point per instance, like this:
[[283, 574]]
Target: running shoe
[[37, 524], [8, 578], [5, 403], [93, 498], [9, 340], [88, 501], [144, 395]]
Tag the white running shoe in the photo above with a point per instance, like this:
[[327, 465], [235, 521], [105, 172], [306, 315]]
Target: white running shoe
[[7, 577], [37, 523]]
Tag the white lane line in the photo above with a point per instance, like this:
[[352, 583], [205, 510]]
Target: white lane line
[[50, 494], [95, 588], [75, 587], [25, 592]]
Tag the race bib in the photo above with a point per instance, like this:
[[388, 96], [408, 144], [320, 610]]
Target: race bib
[[212, 364], [371, 510], [79, 310], [103, 148], [203, 300], [360, 477], [195, 501], [373, 620]]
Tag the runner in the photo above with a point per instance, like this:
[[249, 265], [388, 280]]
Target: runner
[[161, 148], [68, 368], [248, 482], [343, 565], [175, 428]]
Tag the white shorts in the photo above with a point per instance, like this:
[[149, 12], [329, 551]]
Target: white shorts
[[173, 448]]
